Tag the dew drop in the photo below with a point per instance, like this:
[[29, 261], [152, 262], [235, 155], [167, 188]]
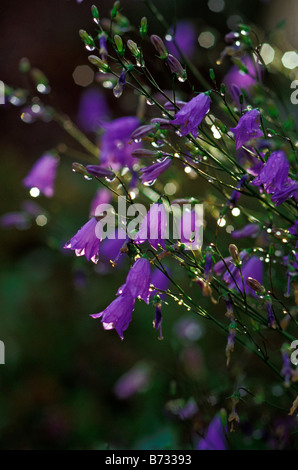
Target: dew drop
[[87, 177], [117, 91], [89, 48], [149, 102]]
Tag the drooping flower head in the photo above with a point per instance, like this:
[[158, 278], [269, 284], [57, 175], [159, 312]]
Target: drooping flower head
[[190, 116], [86, 241], [43, 174], [138, 280], [248, 128], [118, 314], [153, 227], [116, 144]]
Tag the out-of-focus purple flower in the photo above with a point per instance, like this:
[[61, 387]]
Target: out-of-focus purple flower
[[18, 220], [185, 37], [158, 318], [43, 174], [138, 280], [237, 80], [103, 47], [190, 229], [237, 192], [93, 110], [116, 144], [151, 173], [109, 249], [270, 315], [153, 227], [248, 128], [249, 230], [119, 87], [118, 314], [136, 380], [208, 267], [160, 281], [230, 341], [294, 231], [286, 370], [274, 173], [190, 116], [102, 196], [215, 437], [86, 241], [251, 267]]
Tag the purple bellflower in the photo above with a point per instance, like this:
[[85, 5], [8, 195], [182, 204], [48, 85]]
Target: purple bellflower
[[274, 173], [153, 227], [138, 280], [134, 381], [160, 281], [248, 128], [151, 173], [116, 144], [86, 241], [43, 174], [294, 231], [190, 116], [118, 314]]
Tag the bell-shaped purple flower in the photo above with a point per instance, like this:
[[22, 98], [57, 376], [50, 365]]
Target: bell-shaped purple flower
[[86, 241], [151, 173], [190, 116], [153, 227], [160, 281], [248, 128], [43, 174], [274, 173], [138, 280], [116, 144], [118, 314]]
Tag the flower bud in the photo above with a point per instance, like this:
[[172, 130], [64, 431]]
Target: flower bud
[[102, 66], [177, 68], [255, 285], [234, 253], [133, 47], [159, 46], [99, 171], [119, 44], [79, 168], [143, 131], [95, 14], [143, 153], [143, 27], [87, 39], [115, 9]]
